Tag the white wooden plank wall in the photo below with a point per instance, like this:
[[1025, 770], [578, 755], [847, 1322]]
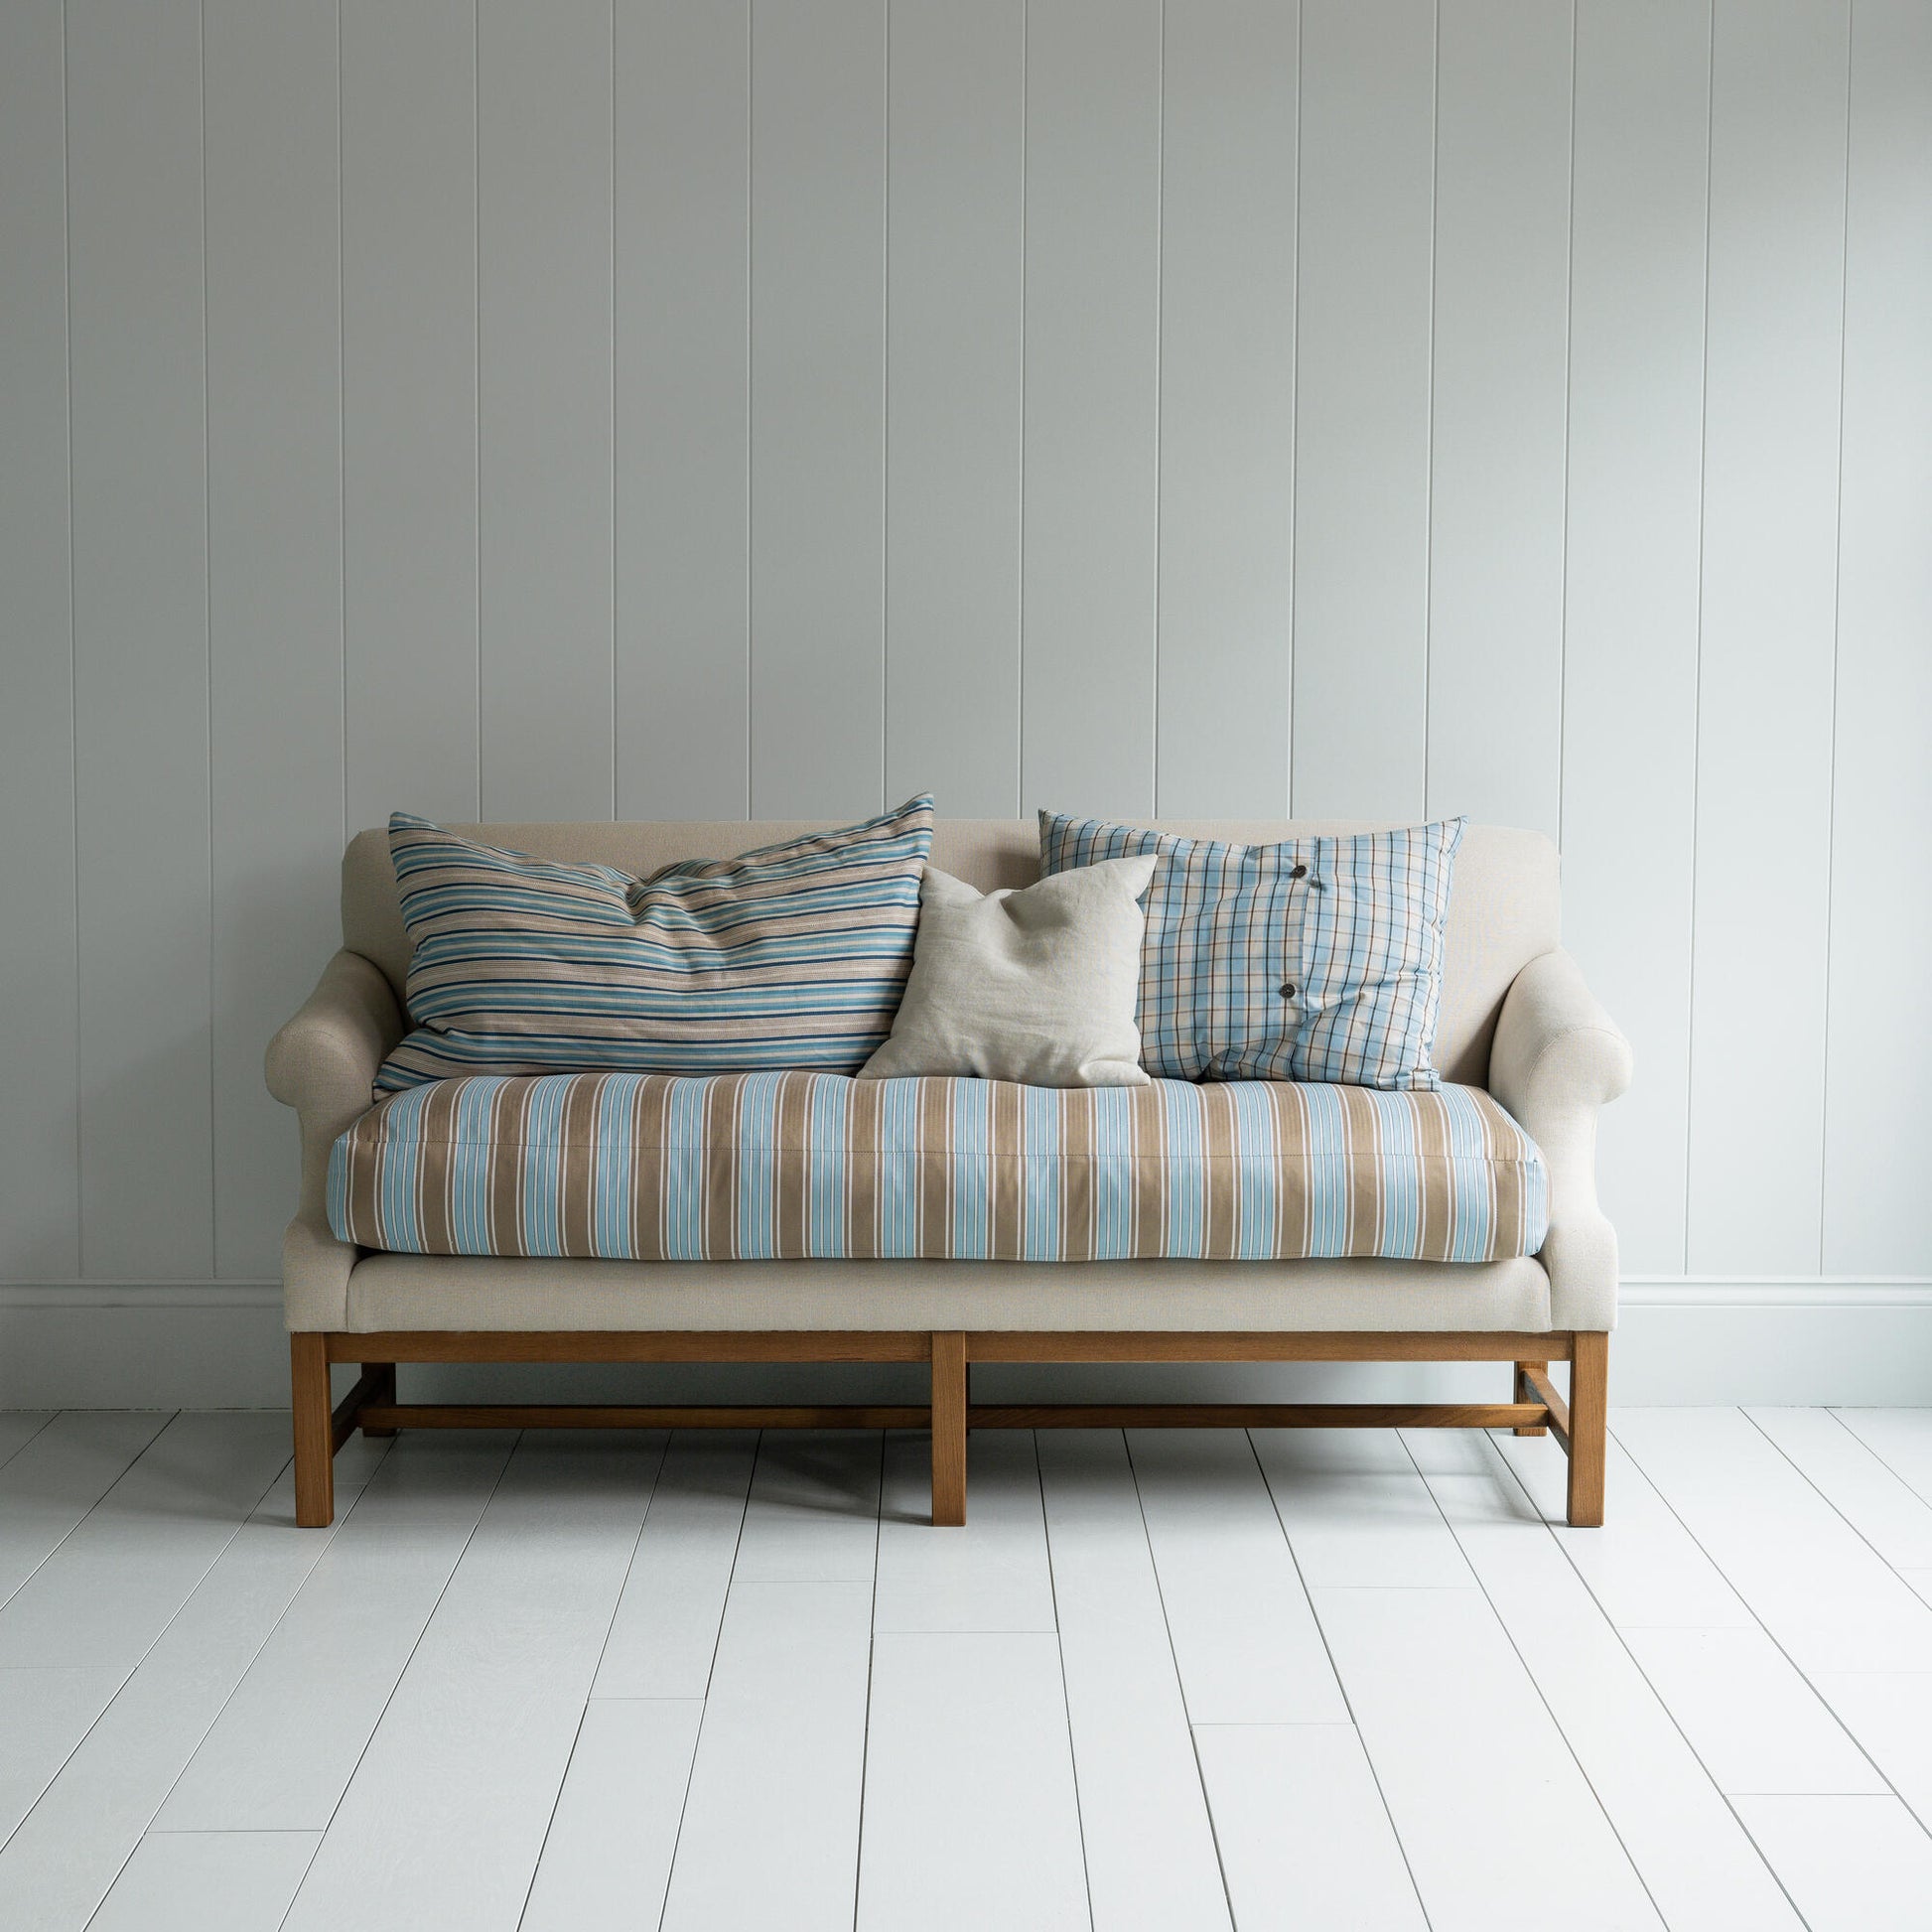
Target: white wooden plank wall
[[1773, 374], [1630, 636], [1371, 405], [683, 407], [411, 666]]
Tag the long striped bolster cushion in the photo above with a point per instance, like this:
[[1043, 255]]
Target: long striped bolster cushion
[[792, 957], [812, 1165]]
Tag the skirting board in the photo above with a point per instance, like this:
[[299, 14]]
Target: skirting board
[[176, 1345]]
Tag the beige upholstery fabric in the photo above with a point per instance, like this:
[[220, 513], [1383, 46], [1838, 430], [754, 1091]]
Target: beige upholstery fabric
[[477, 1292], [323, 1063], [1558, 1058]]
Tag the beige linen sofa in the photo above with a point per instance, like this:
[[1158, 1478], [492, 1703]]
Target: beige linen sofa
[[1516, 1018]]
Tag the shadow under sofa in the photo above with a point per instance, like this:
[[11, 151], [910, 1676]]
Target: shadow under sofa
[[1516, 1019]]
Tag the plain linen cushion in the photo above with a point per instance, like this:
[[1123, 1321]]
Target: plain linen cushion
[[792, 955], [1317, 959], [1038, 986]]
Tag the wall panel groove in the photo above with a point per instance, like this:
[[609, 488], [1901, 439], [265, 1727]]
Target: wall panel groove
[[40, 1210], [1766, 665], [138, 353]]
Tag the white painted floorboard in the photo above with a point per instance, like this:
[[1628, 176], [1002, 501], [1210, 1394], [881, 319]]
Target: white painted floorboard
[[329, 1670], [666, 1633], [1851, 1865], [970, 1816], [1695, 1858], [444, 1820], [1244, 1637], [1883, 1507], [1144, 1817], [732, 1684], [990, 1576], [1305, 1837], [207, 1881], [57, 1476], [18, 1428], [1484, 1791], [1831, 1602], [607, 1857]]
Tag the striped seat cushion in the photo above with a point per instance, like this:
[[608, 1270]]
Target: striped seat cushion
[[1317, 959], [793, 955], [813, 1166]]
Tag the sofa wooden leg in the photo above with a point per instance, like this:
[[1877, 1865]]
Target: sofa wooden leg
[[1526, 1393], [949, 1429], [315, 1435], [1589, 1426], [381, 1379]]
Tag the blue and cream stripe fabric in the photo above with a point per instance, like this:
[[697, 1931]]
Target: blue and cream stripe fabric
[[792, 957], [816, 1166], [1317, 959]]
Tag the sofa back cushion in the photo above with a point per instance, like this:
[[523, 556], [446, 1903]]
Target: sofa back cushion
[[1308, 959], [792, 955], [1503, 911]]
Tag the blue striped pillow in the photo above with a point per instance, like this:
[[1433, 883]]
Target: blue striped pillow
[[1315, 959], [792, 957]]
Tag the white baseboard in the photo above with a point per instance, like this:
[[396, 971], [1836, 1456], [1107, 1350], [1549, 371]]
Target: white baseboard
[[1860, 1342]]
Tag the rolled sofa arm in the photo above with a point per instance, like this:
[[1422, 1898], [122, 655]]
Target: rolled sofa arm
[[1558, 1058], [323, 1063]]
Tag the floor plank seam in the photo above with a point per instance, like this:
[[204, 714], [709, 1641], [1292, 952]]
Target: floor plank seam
[[1903, 1475], [1769, 1635], [1690, 1744], [1811, 1482], [160, 1635], [349, 1782], [1636, 1662], [1059, 1650], [871, 1660], [1347, 1703], [1536, 1685], [703, 1715], [577, 1736], [174, 1417], [46, 1423]]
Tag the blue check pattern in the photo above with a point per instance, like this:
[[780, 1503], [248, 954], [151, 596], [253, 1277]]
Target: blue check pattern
[[1319, 959]]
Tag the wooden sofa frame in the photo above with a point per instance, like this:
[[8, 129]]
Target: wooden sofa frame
[[1580, 1425]]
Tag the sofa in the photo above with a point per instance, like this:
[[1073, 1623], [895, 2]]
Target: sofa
[[1516, 1020]]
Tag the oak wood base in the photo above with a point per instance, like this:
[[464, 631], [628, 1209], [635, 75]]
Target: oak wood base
[[1581, 1425]]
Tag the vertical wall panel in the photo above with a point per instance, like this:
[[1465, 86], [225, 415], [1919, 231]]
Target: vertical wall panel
[[544, 426], [1770, 539], [818, 385], [1630, 619], [1497, 466], [275, 575], [40, 1233], [1092, 382], [409, 406], [140, 631], [1227, 406], [954, 304], [683, 407], [1361, 407], [1877, 1130]]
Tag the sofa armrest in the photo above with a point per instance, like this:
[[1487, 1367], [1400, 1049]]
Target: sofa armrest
[[1558, 1058], [324, 1063]]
